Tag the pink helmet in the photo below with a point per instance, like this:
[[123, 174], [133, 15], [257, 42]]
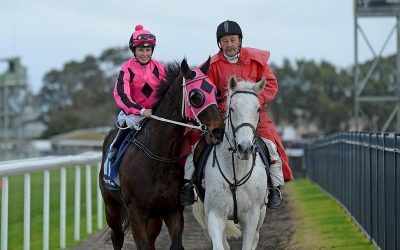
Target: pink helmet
[[141, 38]]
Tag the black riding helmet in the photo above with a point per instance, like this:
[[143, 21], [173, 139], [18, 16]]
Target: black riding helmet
[[228, 28]]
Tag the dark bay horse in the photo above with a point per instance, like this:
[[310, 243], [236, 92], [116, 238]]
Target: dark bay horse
[[150, 187]]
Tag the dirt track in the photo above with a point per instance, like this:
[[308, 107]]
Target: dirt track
[[276, 233]]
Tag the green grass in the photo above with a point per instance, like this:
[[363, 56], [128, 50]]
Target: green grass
[[321, 222], [16, 206]]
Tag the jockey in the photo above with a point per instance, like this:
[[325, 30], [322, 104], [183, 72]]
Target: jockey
[[135, 89], [246, 64]]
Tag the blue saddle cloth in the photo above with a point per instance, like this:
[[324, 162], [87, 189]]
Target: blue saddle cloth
[[111, 169]]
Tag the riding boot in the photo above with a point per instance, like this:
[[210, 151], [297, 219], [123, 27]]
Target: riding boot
[[274, 198], [187, 195], [119, 138]]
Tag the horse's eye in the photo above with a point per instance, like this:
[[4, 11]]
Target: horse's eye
[[196, 98]]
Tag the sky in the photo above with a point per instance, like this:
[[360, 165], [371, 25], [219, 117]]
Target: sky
[[46, 34]]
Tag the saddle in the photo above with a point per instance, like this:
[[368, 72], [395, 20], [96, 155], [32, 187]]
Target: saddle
[[200, 157], [111, 169]]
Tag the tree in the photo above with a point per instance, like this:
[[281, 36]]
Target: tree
[[80, 94]]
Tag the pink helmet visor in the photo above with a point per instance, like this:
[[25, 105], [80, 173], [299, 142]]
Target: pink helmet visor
[[199, 94]]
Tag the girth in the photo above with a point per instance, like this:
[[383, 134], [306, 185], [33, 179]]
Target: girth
[[200, 157]]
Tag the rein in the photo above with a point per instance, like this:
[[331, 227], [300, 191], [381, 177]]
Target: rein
[[202, 127], [143, 147], [236, 183], [152, 155]]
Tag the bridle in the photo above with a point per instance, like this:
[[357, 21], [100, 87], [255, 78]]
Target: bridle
[[245, 124], [197, 94], [233, 185], [186, 102], [187, 113]]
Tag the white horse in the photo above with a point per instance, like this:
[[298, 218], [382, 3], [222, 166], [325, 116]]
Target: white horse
[[235, 177]]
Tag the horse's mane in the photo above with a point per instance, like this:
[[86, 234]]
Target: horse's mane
[[172, 72]]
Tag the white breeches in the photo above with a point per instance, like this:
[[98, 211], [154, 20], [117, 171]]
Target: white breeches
[[275, 169], [189, 165]]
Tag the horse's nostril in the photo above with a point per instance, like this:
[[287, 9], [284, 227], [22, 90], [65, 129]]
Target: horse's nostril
[[245, 149], [218, 133]]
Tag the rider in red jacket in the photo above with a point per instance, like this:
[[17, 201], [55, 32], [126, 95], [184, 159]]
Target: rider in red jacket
[[248, 64]]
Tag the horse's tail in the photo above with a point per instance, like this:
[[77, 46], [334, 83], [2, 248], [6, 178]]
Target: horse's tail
[[125, 225], [199, 215], [231, 229]]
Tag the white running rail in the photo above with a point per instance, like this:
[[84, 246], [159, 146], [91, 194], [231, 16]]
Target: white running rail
[[45, 164]]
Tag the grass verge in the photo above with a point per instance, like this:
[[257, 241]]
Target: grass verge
[[16, 206], [321, 222]]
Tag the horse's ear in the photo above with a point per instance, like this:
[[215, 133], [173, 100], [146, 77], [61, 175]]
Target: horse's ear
[[186, 71], [204, 68], [184, 66], [260, 85], [232, 83]]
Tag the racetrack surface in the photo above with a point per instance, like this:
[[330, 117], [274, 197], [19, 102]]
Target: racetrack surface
[[276, 233]]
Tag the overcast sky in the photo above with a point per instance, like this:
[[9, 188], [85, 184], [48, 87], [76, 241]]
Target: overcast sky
[[47, 33]]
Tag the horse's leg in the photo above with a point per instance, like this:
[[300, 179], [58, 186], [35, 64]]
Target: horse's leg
[[174, 222], [260, 223], [153, 230], [249, 224], [139, 228], [113, 208], [114, 217], [216, 227]]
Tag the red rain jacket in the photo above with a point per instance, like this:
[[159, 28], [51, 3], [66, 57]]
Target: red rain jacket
[[252, 66]]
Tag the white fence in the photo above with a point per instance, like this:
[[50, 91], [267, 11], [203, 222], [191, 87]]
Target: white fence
[[45, 164]]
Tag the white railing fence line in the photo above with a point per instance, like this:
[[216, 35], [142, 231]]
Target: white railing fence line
[[26, 167]]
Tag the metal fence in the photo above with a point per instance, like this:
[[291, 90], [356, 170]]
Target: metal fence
[[362, 171]]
